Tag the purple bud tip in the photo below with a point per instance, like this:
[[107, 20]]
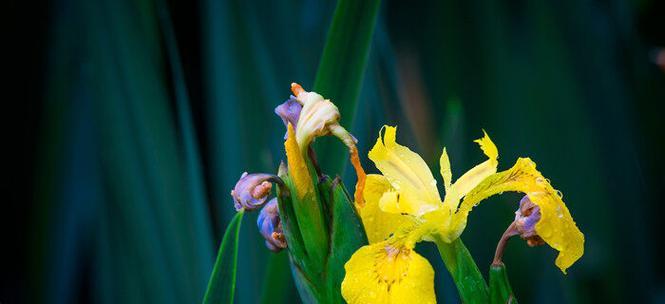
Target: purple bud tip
[[289, 111], [251, 191], [526, 218], [270, 226]]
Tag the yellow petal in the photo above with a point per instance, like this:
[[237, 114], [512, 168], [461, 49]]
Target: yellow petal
[[556, 226], [477, 174], [381, 273], [297, 166], [378, 224], [446, 172], [488, 147], [406, 171]]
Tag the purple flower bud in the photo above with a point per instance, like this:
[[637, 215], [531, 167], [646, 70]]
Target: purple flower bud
[[270, 226], [289, 111], [252, 190], [526, 218]]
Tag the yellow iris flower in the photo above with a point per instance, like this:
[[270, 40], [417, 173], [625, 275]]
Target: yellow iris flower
[[403, 207]]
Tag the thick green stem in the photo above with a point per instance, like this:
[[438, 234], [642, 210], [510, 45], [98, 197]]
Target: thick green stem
[[500, 291], [470, 283]]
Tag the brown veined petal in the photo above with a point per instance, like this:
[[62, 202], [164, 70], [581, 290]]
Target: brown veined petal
[[556, 226], [379, 224], [381, 273]]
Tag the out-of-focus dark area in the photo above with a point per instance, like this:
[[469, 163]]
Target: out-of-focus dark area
[[127, 122]]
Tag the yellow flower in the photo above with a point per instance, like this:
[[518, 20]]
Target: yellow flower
[[319, 117], [403, 206]]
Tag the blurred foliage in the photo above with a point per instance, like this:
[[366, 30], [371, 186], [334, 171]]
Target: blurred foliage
[[149, 111]]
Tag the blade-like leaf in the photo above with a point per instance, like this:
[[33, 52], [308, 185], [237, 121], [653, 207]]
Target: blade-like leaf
[[343, 62], [470, 283], [221, 286], [346, 234], [192, 164]]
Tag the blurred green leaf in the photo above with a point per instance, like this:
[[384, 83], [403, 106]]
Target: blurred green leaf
[[277, 272], [343, 63], [221, 287]]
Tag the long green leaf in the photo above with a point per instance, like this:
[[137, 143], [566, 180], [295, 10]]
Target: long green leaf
[[343, 62], [221, 286], [192, 164], [470, 283], [346, 234]]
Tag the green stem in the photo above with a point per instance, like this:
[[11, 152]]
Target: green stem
[[470, 283], [500, 290]]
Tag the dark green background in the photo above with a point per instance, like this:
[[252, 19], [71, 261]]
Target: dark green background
[[128, 123]]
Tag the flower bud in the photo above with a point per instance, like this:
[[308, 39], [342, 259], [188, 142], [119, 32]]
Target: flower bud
[[252, 190], [317, 115], [289, 111], [526, 218], [320, 117], [270, 226]]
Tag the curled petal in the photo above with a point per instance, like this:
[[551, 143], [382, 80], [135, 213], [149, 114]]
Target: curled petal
[[379, 225], [383, 273], [252, 190], [319, 117], [270, 226], [556, 226], [297, 166], [289, 112], [526, 218], [407, 173], [473, 177], [315, 119]]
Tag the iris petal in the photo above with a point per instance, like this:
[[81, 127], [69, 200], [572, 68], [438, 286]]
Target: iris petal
[[379, 225], [381, 273], [556, 226], [407, 172]]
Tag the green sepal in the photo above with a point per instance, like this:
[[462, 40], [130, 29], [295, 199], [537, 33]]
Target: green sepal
[[469, 281], [290, 222], [321, 282], [347, 233], [308, 291], [222, 283], [500, 290]]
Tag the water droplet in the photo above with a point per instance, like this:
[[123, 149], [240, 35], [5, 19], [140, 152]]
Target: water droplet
[[559, 193]]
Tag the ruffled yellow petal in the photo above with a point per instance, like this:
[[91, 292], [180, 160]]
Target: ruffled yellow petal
[[381, 273], [297, 166], [407, 173], [488, 147], [477, 174], [378, 224], [446, 172], [556, 226]]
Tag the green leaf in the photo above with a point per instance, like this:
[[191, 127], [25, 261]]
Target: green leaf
[[500, 291], [290, 221], [194, 184], [221, 286], [343, 62], [347, 234], [470, 283], [277, 280]]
